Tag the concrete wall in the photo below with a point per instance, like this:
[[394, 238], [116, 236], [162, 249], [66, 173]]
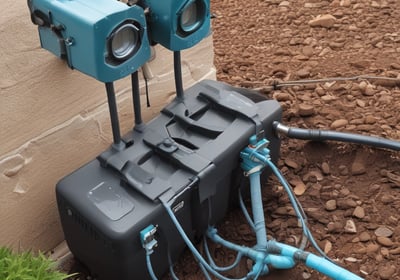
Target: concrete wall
[[53, 120]]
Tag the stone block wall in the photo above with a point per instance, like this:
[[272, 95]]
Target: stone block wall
[[54, 119]]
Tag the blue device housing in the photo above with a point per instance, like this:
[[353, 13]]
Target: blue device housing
[[78, 31], [164, 23]]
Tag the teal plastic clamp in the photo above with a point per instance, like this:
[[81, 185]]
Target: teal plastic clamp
[[147, 237]]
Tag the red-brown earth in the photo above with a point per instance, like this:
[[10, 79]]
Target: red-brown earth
[[261, 42]]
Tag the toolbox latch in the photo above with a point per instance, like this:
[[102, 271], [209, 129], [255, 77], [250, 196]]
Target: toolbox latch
[[143, 181]]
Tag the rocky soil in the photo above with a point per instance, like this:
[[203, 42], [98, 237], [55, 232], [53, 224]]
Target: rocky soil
[[350, 193]]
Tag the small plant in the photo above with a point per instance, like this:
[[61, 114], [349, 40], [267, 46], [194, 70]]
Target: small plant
[[26, 266]]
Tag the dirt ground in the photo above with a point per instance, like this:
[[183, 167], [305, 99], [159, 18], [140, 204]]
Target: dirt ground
[[350, 192]]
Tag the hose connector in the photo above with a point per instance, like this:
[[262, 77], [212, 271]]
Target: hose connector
[[280, 128], [147, 238], [255, 155]]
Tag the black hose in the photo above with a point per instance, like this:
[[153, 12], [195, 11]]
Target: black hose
[[323, 135]]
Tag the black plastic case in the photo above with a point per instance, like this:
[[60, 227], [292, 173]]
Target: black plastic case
[[189, 152]]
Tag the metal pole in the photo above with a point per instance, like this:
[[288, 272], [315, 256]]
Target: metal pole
[[112, 105], [178, 74], [136, 99]]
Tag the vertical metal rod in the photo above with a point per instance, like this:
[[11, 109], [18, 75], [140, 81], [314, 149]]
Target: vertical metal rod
[[178, 74], [136, 98], [112, 105]]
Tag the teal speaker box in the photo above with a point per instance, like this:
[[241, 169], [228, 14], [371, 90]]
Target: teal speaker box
[[178, 24], [103, 39]]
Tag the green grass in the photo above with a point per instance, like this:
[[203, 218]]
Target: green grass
[[26, 266]]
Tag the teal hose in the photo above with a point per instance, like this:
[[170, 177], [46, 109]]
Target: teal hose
[[265, 253], [150, 267], [258, 211], [190, 245], [212, 263], [296, 207], [315, 262], [260, 257]]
